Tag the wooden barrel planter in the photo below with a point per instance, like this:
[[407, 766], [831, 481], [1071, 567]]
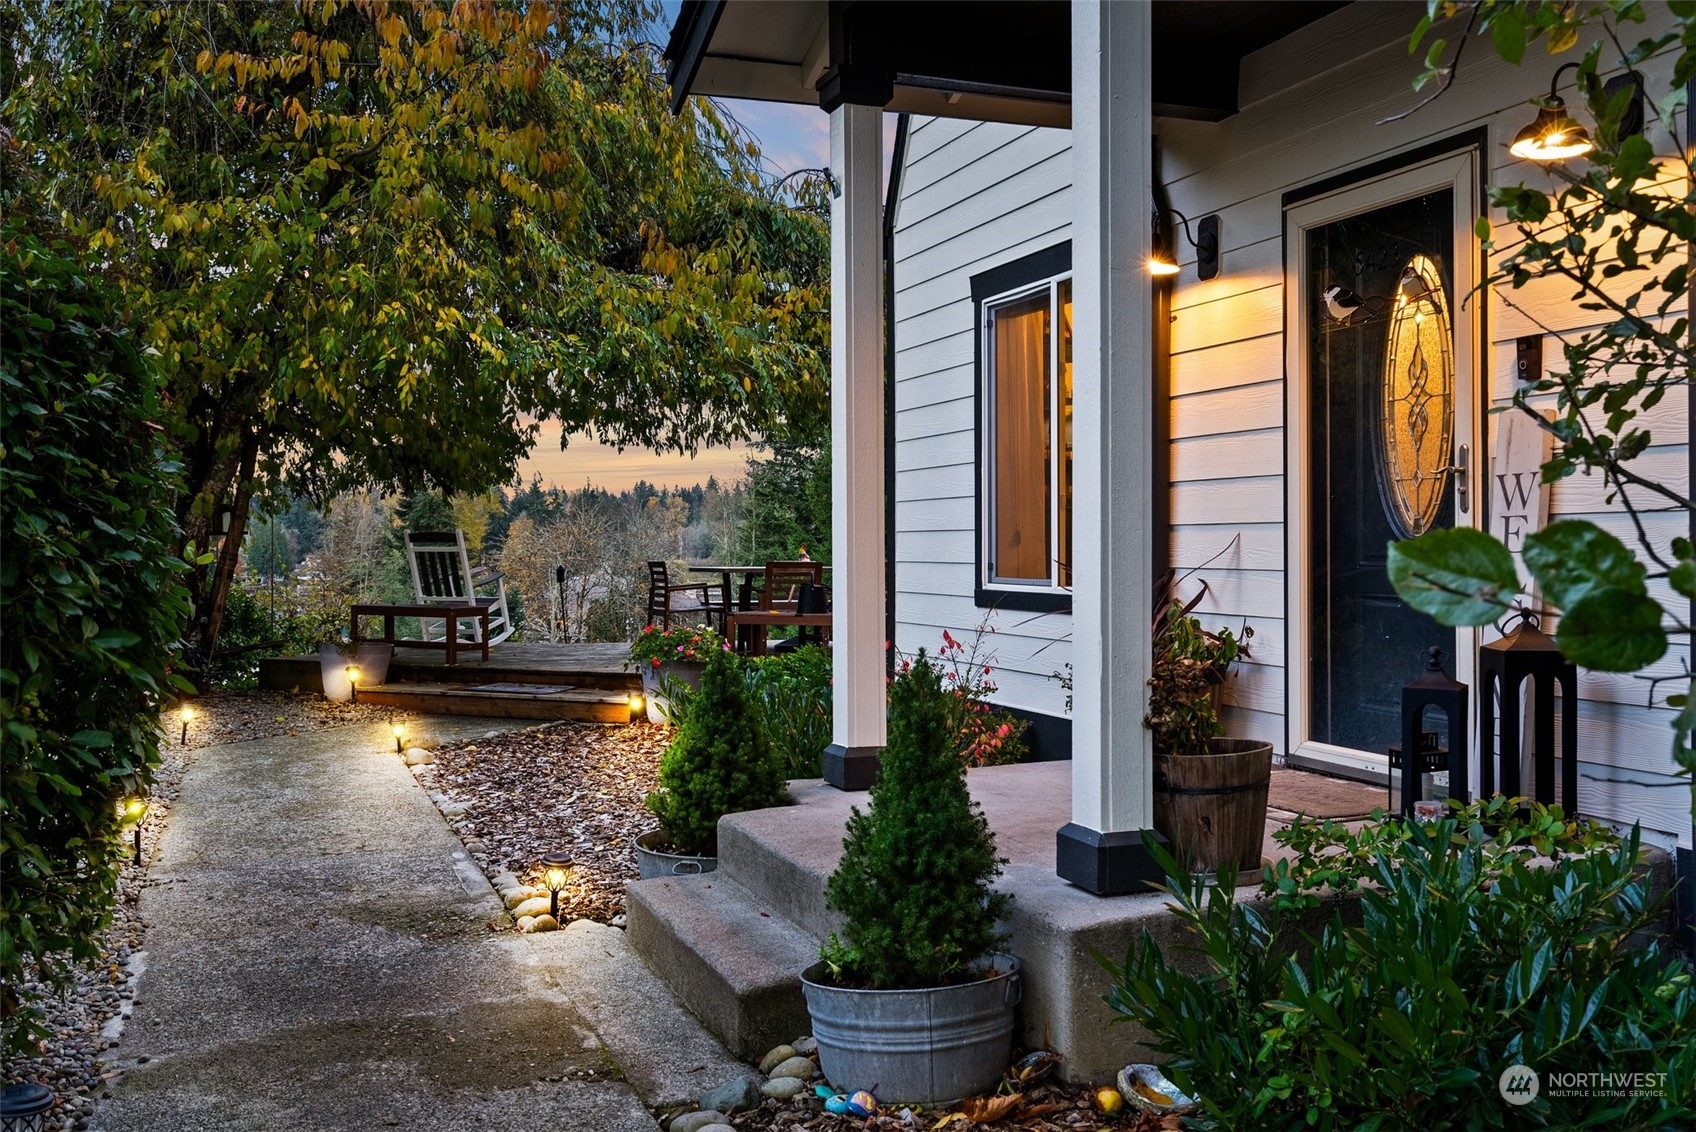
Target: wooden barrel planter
[[1213, 807]]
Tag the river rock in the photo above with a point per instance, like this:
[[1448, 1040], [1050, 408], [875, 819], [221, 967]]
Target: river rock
[[805, 1045], [733, 1096], [535, 906], [801, 1067], [524, 923], [782, 1087], [418, 756], [544, 923], [776, 1057], [697, 1121], [513, 897]]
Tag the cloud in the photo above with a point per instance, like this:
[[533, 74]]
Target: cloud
[[589, 461]]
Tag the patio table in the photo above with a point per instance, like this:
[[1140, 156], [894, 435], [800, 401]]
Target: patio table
[[758, 620]]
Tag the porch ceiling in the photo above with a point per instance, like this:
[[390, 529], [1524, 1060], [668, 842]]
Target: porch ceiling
[[992, 60]]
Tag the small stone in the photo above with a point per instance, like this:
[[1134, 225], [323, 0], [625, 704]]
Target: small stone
[[733, 1096], [504, 881], [718, 1128], [544, 923], [617, 921], [513, 897], [525, 922], [535, 906], [418, 756], [776, 1057], [696, 1121], [782, 1087], [801, 1067], [805, 1045]]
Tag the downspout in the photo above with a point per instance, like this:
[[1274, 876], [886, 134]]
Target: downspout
[[892, 195], [1160, 374]]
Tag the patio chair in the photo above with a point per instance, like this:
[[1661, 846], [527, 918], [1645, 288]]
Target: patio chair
[[442, 575], [794, 587], [667, 599]]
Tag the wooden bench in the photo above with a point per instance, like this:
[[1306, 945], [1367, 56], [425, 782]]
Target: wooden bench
[[763, 618], [452, 614]]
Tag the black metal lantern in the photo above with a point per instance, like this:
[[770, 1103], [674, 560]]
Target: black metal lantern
[[1432, 688], [556, 872], [24, 1108], [1527, 653]]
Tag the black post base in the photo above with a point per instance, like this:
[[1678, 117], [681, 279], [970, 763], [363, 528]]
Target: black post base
[[1107, 864], [851, 768]]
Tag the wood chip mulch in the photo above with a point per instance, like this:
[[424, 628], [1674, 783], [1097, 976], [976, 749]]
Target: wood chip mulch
[[576, 787]]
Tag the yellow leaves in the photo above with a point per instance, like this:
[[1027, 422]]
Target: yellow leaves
[[203, 61], [392, 29]]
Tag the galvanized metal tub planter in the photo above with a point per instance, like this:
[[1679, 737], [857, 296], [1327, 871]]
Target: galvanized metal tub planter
[[655, 679], [935, 1045], [653, 862]]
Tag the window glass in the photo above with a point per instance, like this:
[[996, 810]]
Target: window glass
[[1064, 492], [1021, 351]]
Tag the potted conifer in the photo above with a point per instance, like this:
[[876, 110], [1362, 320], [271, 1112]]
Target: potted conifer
[[1210, 792], [913, 1000], [721, 761]]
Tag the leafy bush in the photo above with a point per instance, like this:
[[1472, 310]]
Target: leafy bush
[[1469, 959], [987, 735], [914, 881], [793, 692], [1190, 666], [94, 606], [654, 646], [721, 761]]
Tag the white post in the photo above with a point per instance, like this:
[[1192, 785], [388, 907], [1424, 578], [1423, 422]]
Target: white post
[[856, 426], [1112, 231]]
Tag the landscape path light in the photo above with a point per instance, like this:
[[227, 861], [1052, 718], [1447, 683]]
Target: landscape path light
[[556, 871], [187, 714], [135, 808], [353, 683], [400, 732]]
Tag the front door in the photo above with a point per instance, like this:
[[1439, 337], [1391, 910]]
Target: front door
[[1382, 445]]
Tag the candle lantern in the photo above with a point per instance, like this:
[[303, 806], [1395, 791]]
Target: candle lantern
[[24, 1108], [1527, 653], [1421, 751]]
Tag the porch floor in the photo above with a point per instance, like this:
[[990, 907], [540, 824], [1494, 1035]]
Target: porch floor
[[732, 943]]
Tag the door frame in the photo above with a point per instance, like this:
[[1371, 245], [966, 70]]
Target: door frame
[[1459, 169]]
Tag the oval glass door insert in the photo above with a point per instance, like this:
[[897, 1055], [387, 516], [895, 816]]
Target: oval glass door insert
[[1417, 433]]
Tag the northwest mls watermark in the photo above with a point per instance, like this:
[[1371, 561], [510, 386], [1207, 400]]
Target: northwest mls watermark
[[1521, 1085]]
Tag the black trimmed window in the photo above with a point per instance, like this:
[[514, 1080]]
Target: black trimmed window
[[1024, 432]]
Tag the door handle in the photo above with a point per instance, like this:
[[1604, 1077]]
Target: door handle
[[1463, 477]]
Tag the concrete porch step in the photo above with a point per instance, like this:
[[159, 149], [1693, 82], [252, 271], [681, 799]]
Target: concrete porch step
[[727, 956], [583, 705]]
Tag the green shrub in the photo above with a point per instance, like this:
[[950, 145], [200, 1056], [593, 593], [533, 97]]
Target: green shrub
[[914, 883], [793, 692], [1468, 960], [93, 607], [720, 762]]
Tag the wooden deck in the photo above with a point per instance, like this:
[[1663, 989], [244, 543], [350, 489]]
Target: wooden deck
[[597, 683]]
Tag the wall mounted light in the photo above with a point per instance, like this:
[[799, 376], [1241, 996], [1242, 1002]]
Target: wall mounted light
[[399, 730], [352, 671], [1163, 261], [1554, 135], [556, 871], [135, 808], [187, 714]]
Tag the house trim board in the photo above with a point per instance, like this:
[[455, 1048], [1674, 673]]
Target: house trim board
[[1457, 163], [891, 213]]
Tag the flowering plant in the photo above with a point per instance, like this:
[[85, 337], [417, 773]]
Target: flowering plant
[[654, 646], [988, 735]]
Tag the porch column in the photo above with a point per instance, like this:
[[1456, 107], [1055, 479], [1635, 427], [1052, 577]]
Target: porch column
[[856, 430], [1113, 586]]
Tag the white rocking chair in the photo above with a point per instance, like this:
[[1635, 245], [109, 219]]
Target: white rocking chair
[[442, 574]]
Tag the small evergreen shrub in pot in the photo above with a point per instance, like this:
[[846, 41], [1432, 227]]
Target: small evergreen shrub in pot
[[720, 762], [913, 1000]]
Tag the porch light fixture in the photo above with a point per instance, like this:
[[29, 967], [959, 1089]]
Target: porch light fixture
[[352, 671], [556, 870], [1206, 244], [1555, 135], [135, 808], [187, 714]]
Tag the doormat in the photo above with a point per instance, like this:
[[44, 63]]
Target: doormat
[[523, 689], [1321, 796]]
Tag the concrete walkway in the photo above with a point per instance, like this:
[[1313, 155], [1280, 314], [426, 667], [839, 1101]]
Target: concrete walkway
[[319, 956]]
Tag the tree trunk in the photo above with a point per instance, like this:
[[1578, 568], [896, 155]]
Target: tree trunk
[[229, 552]]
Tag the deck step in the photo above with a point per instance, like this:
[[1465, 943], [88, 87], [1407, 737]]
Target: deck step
[[730, 959], [584, 705]]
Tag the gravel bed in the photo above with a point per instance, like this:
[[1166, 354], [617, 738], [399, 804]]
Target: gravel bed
[[576, 787], [89, 1019]]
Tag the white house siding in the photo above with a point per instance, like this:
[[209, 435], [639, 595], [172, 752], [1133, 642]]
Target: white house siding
[[974, 196]]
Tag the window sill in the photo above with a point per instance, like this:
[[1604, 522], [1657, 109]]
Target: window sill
[[1028, 601]]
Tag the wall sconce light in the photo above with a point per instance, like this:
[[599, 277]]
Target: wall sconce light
[[1554, 135], [187, 714], [556, 871], [1205, 242], [399, 730], [135, 808], [352, 671], [638, 707]]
